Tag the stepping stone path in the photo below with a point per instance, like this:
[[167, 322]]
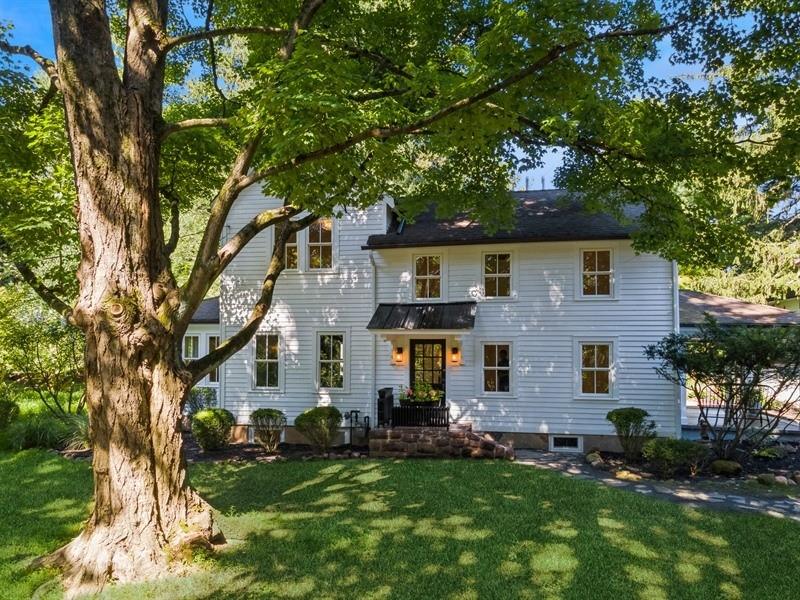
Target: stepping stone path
[[574, 466]]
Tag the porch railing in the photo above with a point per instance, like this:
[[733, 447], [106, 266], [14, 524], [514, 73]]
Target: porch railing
[[420, 416]]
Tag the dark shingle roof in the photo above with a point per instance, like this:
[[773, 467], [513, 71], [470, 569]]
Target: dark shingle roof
[[207, 312], [730, 311], [450, 315], [541, 216]]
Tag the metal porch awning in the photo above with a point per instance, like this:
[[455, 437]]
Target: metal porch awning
[[440, 317]]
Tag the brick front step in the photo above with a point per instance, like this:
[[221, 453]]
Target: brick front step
[[457, 441]]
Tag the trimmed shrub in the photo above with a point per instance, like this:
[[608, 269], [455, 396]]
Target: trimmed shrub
[[211, 428], [669, 456], [319, 425], [200, 398], [633, 430], [728, 468], [9, 412], [37, 431], [268, 423]]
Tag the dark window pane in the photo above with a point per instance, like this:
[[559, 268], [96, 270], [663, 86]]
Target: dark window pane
[[490, 262], [589, 261], [433, 288], [491, 287], [489, 355], [261, 374], [261, 347], [337, 375], [587, 382], [503, 286], [602, 356], [422, 265], [325, 347], [325, 374], [503, 355], [337, 346], [589, 285], [504, 263], [326, 257], [325, 231], [421, 288], [273, 347], [503, 380], [489, 380], [603, 285], [272, 374], [291, 257], [587, 355], [315, 259], [433, 265], [603, 260], [601, 385]]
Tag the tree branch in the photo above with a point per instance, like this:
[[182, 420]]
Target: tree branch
[[303, 20], [171, 128], [196, 36], [47, 65], [174, 221], [28, 276], [203, 366]]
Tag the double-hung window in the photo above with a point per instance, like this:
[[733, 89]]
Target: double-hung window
[[497, 274], [331, 361], [267, 370], [291, 252], [428, 277], [213, 344], [596, 273], [496, 368], [191, 347], [320, 244], [595, 368]]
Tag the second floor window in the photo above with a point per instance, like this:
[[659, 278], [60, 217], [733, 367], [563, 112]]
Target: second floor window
[[191, 347], [596, 272], [213, 344], [428, 277], [266, 360], [497, 275], [320, 244], [331, 360], [291, 251]]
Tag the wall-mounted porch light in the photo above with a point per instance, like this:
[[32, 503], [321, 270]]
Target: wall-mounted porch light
[[398, 355], [455, 355]]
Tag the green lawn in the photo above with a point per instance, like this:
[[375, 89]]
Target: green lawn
[[419, 529]]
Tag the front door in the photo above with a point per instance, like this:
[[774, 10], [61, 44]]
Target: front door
[[428, 363]]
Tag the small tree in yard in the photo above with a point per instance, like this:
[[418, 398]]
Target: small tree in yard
[[745, 379], [633, 429], [268, 424]]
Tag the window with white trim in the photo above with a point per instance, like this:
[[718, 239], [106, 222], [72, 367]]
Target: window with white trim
[[428, 277], [595, 368], [320, 244], [496, 368], [191, 347], [266, 360], [331, 361], [497, 274], [596, 273], [291, 251], [213, 344]]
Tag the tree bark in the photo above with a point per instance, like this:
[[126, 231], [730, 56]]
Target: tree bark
[[144, 512]]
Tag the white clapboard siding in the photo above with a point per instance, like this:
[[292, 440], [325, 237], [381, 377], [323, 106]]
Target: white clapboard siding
[[543, 322]]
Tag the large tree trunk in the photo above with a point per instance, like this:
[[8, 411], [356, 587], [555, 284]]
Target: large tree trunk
[[144, 510]]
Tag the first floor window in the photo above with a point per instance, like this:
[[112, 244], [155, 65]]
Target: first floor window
[[191, 347], [213, 344], [331, 360], [291, 251], [497, 275], [496, 368], [596, 272], [320, 244], [428, 277], [595, 368], [266, 360]]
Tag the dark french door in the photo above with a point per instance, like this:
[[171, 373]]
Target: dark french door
[[428, 363]]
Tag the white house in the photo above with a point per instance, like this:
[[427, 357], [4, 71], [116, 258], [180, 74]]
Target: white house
[[532, 334]]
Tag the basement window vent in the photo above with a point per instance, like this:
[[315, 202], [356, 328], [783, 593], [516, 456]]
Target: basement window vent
[[566, 443]]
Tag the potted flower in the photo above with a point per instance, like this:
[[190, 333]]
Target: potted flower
[[421, 393]]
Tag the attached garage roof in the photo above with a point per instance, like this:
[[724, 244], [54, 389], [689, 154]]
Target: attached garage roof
[[731, 311], [413, 317], [207, 312]]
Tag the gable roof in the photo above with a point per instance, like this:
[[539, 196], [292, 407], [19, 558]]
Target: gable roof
[[540, 216], [207, 312], [731, 311], [439, 316]]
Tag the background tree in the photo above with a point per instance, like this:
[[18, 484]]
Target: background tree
[[331, 104], [745, 380]]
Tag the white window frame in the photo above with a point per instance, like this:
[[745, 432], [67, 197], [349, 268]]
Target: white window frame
[[579, 295], [279, 362], [613, 366], [551, 443], [207, 379], [345, 333], [197, 337], [512, 375], [442, 279], [307, 245], [512, 295]]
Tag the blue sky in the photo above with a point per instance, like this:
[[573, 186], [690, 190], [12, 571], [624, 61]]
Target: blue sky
[[32, 25]]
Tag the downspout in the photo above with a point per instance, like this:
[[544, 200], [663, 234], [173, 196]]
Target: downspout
[[374, 375], [680, 396]]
